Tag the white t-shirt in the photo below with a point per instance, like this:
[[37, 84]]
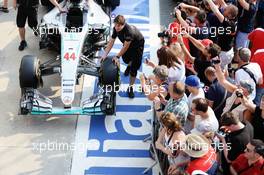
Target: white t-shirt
[[205, 125], [243, 75], [191, 97], [177, 73]]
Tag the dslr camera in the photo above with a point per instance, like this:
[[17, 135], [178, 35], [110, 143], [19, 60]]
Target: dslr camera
[[183, 13], [163, 34], [239, 94]]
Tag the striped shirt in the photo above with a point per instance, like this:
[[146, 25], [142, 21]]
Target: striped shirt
[[179, 108]]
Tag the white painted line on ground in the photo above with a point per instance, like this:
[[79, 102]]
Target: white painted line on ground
[[82, 130]]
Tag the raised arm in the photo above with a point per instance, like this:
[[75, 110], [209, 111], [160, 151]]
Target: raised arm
[[56, 4], [222, 3], [185, 50], [195, 42], [183, 23], [191, 7], [216, 11], [248, 104], [222, 80], [244, 4]]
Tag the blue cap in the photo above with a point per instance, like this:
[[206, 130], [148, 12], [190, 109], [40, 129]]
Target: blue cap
[[193, 81]]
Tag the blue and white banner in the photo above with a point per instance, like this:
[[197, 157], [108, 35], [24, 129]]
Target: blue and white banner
[[115, 143]]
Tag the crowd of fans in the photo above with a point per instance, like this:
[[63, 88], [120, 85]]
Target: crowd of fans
[[209, 88]]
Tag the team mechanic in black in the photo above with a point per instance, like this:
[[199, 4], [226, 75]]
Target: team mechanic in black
[[131, 52], [27, 10]]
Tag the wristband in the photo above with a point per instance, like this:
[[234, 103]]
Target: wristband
[[117, 56]]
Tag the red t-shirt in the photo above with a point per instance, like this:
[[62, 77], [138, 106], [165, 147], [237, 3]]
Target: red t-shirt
[[257, 38], [242, 168], [203, 163], [258, 57], [175, 28]]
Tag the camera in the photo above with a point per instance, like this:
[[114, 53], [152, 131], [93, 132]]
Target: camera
[[239, 94], [163, 34]]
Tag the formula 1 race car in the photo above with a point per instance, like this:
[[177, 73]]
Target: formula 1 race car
[[79, 35]]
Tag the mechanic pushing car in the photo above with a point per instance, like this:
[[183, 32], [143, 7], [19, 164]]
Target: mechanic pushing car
[[131, 52]]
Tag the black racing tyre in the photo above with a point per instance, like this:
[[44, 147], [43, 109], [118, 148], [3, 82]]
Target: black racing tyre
[[29, 72], [109, 74]]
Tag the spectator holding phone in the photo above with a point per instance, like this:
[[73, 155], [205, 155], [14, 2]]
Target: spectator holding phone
[[175, 65], [234, 102], [158, 85]]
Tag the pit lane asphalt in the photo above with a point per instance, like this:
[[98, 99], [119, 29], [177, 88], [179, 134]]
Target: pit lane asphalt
[[21, 135]]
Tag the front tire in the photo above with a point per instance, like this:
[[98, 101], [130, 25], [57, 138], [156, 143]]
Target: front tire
[[109, 75], [29, 72]]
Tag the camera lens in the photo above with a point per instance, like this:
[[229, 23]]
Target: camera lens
[[239, 94]]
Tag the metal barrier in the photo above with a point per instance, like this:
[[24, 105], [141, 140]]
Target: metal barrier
[[160, 158]]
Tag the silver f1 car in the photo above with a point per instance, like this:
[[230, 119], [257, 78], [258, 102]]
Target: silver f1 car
[[79, 35]]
